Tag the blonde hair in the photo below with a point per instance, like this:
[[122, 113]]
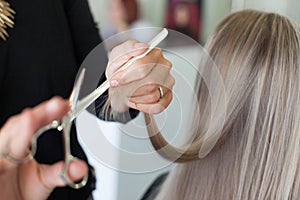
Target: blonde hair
[[258, 152]]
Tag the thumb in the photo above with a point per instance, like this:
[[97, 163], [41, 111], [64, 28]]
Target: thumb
[[49, 175]]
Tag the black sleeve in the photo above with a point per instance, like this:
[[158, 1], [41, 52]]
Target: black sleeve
[[85, 35], [84, 30]]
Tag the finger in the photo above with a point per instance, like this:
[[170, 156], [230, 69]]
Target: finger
[[122, 53], [49, 174], [130, 47], [150, 93], [46, 112], [151, 97], [146, 99], [133, 73], [145, 89], [18, 130], [141, 68], [48, 178], [153, 108]]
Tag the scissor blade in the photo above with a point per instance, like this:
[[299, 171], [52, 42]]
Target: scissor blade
[[76, 89], [86, 101]]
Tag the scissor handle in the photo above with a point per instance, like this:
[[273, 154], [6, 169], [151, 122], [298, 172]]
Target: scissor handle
[[53, 125], [64, 174], [30, 155], [68, 157]]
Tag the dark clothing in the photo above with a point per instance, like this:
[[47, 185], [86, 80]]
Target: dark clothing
[[41, 57], [39, 60], [155, 187]]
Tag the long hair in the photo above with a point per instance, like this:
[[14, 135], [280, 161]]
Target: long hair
[[258, 152]]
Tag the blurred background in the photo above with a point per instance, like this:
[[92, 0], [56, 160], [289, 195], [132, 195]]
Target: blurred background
[[195, 18], [201, 16]]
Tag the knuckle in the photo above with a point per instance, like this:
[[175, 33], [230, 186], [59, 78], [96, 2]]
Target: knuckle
[[168, 63], [131, 42], [144, 62], [157, 52], [127, 44], [114, 51], [26, 113], [121, 47]]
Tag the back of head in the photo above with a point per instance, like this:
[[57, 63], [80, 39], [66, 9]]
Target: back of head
[[257, 153]]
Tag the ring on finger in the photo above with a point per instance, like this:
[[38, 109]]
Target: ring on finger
[[161, 92]]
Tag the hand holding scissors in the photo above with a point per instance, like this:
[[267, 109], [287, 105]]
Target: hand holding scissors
[[32, 180]]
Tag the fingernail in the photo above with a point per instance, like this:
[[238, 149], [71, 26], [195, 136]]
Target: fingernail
[[114, 83]]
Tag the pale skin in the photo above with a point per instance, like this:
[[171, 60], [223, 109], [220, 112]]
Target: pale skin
[[138, 88], [31, 180]]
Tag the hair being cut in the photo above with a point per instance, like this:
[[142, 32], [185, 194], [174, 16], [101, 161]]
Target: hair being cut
[[258, 152]]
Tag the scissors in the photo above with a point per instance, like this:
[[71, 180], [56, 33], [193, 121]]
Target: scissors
[[76, 107]]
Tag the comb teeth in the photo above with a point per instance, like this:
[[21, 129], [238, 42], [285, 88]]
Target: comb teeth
[[6, 18]]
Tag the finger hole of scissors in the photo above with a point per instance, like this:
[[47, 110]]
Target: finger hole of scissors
[[53, 125], [68, 172]]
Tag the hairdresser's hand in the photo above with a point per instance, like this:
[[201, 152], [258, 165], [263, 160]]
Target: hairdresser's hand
[[138, 86], [31, 180]]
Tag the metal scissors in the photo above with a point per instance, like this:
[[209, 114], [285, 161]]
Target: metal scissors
[[76, 107]]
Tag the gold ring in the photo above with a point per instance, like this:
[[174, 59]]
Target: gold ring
[[161, 92]]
